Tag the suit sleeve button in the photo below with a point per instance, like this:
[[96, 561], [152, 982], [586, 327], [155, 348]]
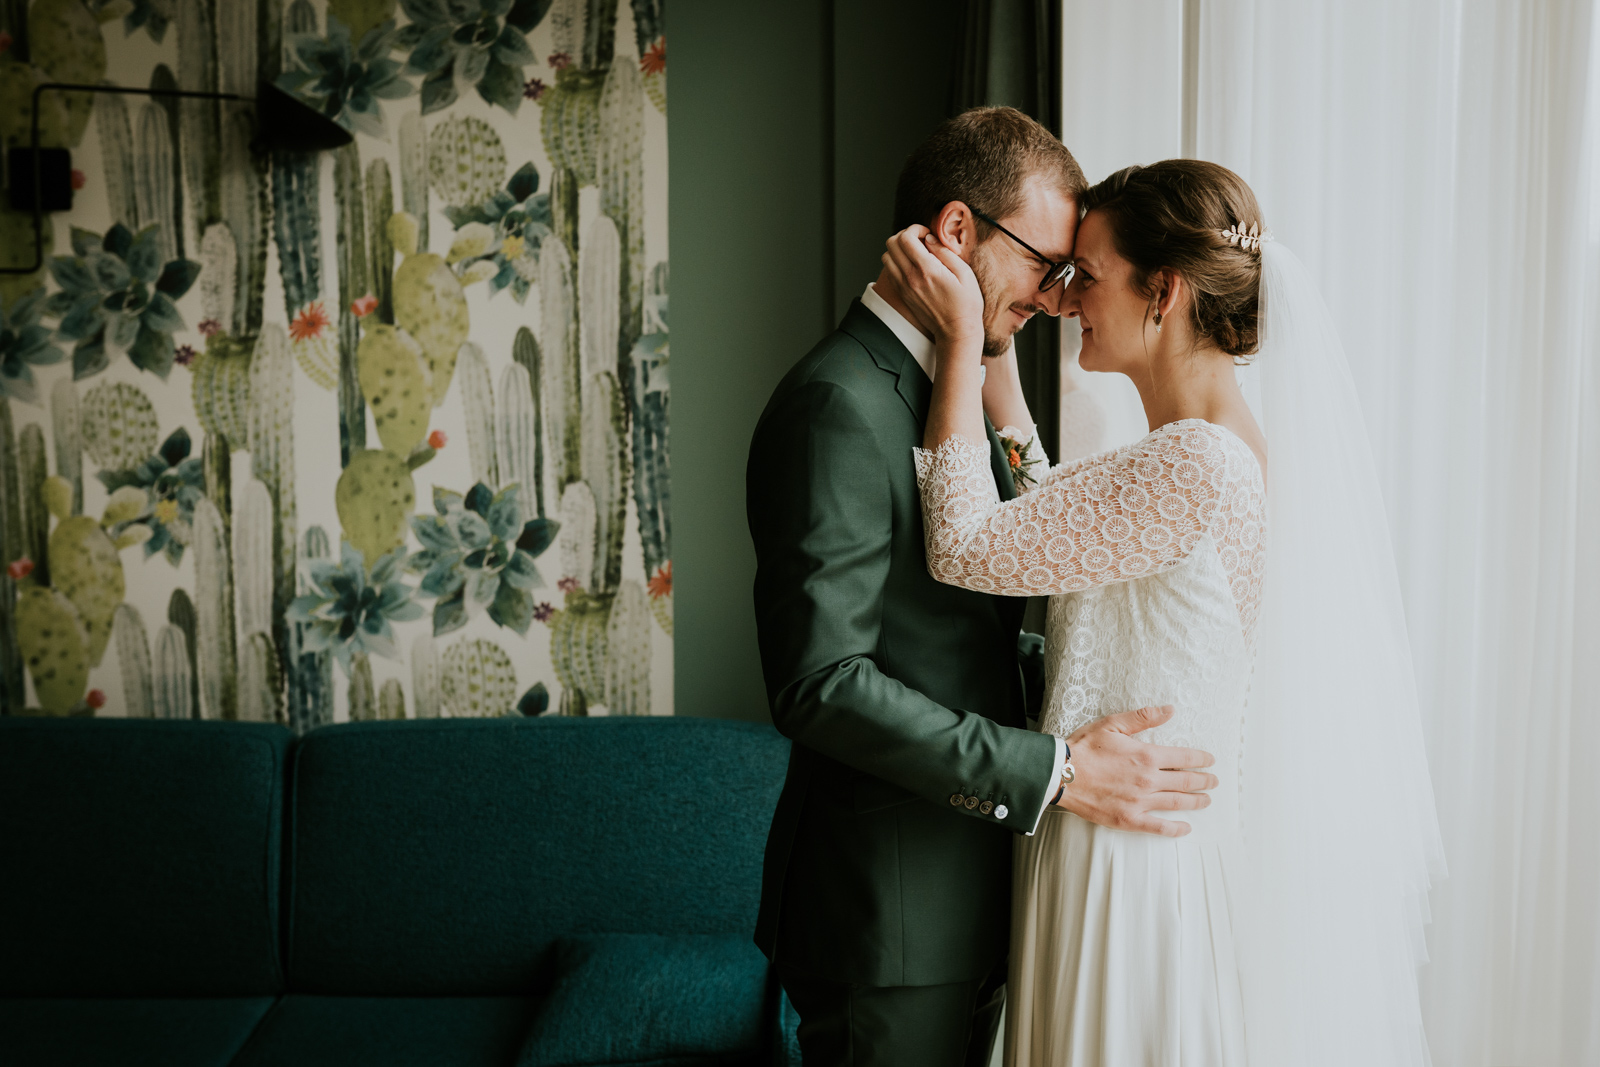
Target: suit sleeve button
[[972, 802], [956, 799], [1001, 812], [986, 807]]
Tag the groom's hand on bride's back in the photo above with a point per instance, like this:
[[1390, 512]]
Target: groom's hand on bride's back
[[1123, 782]]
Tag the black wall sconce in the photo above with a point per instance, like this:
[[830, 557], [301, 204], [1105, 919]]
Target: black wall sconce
[[40, 179]]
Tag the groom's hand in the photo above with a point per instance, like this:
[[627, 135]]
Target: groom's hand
[[1121, 780]]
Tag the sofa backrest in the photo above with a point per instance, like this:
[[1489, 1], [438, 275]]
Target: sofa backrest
[[444, 857], [140, 858]]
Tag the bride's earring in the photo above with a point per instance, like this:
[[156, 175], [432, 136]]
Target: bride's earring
[[1158, 322]]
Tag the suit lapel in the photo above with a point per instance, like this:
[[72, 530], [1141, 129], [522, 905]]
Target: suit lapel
[[912, 383]]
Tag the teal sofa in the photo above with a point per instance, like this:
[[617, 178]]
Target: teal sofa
[[535, 892]]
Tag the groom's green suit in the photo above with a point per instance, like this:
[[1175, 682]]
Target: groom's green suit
[[889, 859]]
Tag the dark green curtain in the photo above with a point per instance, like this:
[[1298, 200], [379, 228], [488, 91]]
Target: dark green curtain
[[1010, 54]]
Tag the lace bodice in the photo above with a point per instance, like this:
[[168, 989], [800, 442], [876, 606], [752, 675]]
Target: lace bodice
[[1125, 514]]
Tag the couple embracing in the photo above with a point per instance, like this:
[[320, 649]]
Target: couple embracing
[[1191, 824]]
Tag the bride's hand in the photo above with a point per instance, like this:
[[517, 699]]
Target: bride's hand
[[937, 284]]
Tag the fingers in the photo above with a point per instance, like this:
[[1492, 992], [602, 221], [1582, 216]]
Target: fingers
[[1152, 824], [1180, 758], [1139, 719], [954, 263], [1184, 782], [1178, 801]]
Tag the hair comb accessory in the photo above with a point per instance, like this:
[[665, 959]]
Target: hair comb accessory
[[1248, 239]]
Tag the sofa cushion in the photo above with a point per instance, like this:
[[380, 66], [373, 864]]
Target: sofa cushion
[[74, 1032], [309, 1031], [436, 858], [141, 857], [642, 998]]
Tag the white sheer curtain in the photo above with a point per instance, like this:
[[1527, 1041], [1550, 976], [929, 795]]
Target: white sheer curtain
[[1437, 165]]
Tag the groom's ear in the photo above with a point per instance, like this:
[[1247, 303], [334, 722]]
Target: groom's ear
[[956, 228]]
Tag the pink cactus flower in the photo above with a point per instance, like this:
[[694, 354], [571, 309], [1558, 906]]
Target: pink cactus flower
[[95, 698], [19, 569]]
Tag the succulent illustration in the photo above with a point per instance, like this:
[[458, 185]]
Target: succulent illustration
[[478, 555], [350, 611], [24, 344], [115, 290], [477, 43], [344, 79], [505, 231], [173, 482], [150, 15]]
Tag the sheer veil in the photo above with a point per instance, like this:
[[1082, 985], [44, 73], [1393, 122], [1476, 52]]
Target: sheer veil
[[1341, 835]]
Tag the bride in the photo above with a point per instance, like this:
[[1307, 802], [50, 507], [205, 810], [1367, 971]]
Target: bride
[[1244, 576]]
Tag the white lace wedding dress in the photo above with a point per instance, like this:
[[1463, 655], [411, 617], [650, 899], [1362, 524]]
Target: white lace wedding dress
[[1123, 944]]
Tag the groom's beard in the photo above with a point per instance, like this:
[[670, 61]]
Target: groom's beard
[[996, 340]]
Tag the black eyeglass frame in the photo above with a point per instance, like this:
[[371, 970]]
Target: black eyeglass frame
[[1054, 271]]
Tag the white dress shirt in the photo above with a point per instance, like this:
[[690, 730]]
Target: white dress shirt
[[920, 345]]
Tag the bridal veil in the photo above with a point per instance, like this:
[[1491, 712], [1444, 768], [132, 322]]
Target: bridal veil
[[1341, 835]]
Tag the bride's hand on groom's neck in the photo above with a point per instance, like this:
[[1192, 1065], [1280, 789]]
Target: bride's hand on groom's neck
[[1123, 782], [939, 289]]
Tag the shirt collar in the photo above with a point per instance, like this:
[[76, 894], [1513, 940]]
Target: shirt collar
[[916, 342]]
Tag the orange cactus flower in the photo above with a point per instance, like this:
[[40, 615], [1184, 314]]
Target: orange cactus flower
[[95, 698], [654, 61], [19, 569], [363, 306], [309, 324], [436, 440], [660, 584]]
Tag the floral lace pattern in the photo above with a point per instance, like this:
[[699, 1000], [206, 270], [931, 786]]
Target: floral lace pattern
[[1125, 514]]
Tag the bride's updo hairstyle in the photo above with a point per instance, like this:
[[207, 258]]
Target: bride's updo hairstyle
[[1172, 214]]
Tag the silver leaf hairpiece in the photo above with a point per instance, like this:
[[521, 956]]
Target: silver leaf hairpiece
[[1248, 239]]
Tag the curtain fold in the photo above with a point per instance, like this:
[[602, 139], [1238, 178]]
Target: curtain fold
[[1010, 54], [1434, 163]]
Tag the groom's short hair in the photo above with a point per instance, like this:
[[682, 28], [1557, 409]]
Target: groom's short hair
[[983, 157]]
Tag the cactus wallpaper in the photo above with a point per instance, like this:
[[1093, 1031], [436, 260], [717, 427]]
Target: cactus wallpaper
[[373, 433]]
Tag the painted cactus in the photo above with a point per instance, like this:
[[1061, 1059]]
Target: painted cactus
[[355, 283], [375, 498], [627, 656], [214, 636], [414, 173], [85, 568], [252, 559], [621, 180], [516, 437], [477, 680], [599, 308], [259, 683], [55, 646], [380, 253], [477, 404], [466, 161], [172, 680], [181, 615], [652, 462], [65, 43], [65, 425], [32, 474], [362, 695], [12, 550], [396, 378], [425, 678], [155, 195], [430, 305], [578, 651], [296, 196], [221, 387], [605, 471], [133, 658], [116, 157], [569, 121], [391, 700], [560, 389], [118, 426], [311, 689]]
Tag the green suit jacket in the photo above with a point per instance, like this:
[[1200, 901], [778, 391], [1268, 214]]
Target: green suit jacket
[[904, 697]]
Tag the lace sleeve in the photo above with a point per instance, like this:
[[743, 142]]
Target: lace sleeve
[[1134, 512]]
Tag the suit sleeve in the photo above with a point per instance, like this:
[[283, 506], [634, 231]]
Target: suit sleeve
[[819, 509]]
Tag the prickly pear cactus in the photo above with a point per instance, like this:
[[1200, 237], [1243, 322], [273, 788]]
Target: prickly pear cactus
[[397, 380], [431, 306], [119, 426], [375, 498], [85, 568], [55, 647], [477, 680], [17, 83], [65, 43], [466, 161]]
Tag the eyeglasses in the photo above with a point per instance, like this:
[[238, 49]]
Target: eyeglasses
[[1053, 273]]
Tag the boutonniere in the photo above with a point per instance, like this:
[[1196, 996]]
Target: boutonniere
[[1017, 458]]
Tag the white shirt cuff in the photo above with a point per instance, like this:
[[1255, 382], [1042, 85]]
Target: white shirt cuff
[[1055, 782]]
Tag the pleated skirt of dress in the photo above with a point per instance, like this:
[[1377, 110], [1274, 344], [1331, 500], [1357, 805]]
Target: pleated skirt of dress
[[1122, 950]]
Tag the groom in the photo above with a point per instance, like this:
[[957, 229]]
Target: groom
[[886, 898]]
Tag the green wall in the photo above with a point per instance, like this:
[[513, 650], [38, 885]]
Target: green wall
[[788, 127]]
